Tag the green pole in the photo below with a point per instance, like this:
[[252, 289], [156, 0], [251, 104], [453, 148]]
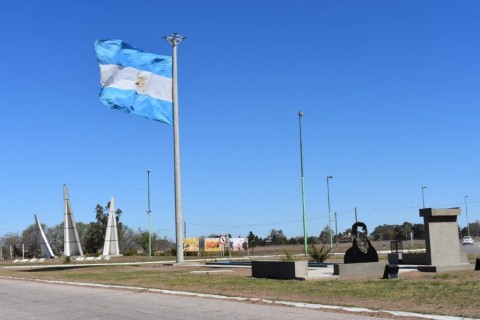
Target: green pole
[[148, 212], [329, 216], [300, 115]]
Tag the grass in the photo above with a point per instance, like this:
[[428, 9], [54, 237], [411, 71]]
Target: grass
[[450, 293]]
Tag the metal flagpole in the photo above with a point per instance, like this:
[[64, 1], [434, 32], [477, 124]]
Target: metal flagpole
[[174, 40]]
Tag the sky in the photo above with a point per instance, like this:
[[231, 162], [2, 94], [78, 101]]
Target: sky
[[389, 91]]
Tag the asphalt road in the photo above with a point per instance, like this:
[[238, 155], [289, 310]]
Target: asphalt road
[[470, 248], [36, 300]]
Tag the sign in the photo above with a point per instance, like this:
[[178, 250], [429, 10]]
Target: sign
[[223, 239], [213, 245], [238, 244], [191, 245]]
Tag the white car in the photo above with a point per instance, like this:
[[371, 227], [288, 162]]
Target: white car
[[467, 240]]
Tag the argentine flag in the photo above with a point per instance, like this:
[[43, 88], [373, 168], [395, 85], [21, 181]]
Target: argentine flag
[[135, 81]]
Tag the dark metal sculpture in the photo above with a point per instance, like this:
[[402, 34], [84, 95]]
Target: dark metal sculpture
[[361, 250]]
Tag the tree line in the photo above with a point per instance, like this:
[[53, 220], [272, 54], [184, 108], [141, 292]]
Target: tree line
[[386, 232]]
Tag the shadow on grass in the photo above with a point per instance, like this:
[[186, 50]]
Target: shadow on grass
[[55, 268]]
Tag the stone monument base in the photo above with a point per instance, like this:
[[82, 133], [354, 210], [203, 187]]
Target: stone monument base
[[459, 267], [280, 269], [359, 269]]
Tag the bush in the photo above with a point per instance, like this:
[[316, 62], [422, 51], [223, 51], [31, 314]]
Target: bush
[[288, 257], [130, 252], [318, 255]]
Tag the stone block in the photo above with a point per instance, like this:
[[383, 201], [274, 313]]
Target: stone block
[[280, 269], [359, 269]]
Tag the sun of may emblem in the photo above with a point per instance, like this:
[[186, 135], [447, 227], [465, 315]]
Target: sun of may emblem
[[141, 81]]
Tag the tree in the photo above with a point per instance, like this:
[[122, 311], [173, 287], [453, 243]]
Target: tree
[[252, 240], [56, 237], [418, 231], [10, 239], [295, 240], [325, 235], [129, 244], [95, 235], [312, 240], [30, 242], [474, 228], [278, 237], [163, 244], [406, 230]]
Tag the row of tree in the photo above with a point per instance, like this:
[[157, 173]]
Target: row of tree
[[404, 231]]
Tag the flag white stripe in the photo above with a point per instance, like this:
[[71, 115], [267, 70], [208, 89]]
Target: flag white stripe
[[143, 82]]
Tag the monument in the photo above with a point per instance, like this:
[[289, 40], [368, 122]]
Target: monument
[[441, 241], [361, 250], [71, 242], [45, 249], [110, 247], [362, 258]]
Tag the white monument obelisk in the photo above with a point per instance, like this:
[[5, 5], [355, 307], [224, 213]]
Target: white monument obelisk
[[110, 247], [45, 249], [71, 244]]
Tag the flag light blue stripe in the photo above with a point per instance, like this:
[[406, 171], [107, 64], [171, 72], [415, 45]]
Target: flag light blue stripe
[[118, 52], [131, 102]]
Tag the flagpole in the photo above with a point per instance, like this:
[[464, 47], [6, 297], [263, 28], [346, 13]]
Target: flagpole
[[174, 40]]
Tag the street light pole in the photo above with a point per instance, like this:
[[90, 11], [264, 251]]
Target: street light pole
[[175, 39], [148, 213], [329, 216], [466, 213], [300, 115], [423, 196]]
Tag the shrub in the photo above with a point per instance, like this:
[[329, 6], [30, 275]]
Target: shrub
[[288, 257], [318, 255]]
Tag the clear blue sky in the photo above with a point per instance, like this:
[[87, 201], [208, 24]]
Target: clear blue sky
[[389, 90]]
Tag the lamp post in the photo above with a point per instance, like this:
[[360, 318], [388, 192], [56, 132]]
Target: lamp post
[[175, 39], [148, 213], [423, 196], [466, 213], [329, 216], [300, 115]]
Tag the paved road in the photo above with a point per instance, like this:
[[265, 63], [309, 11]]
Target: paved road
[[468, 248], [41, 301]]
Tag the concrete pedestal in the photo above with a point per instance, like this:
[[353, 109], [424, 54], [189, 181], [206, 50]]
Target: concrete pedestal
[[280, 269], [359, 269], [441, 236]]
